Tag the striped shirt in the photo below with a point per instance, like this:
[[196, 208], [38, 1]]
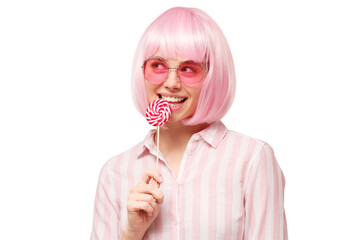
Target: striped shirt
[[229, 186]]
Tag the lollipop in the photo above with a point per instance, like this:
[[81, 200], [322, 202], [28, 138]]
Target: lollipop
[[157, 113]]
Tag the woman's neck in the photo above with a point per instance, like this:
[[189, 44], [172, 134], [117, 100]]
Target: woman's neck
[[177, 135], [173, 142]]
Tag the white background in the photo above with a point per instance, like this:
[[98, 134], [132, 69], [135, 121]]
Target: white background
[[66, 106]]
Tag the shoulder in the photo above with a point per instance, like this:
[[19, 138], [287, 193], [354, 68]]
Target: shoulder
[[257, 156], [258, 152], [238, 143], [248, 148], [119, 161], [244, 139]]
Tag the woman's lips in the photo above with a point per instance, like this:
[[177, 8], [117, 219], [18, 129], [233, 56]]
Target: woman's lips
[[175, 107]]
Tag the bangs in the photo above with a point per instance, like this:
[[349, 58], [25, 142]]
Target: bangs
[[177, 34]]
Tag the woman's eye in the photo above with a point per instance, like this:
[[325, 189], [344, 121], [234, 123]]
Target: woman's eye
[[158, 66], [188, 69]]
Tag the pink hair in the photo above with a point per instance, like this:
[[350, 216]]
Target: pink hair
[[191, 33]]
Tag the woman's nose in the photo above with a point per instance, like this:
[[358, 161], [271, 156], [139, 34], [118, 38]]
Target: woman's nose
[[172, 82]]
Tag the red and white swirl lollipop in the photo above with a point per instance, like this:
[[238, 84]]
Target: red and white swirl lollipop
[[158, 112]]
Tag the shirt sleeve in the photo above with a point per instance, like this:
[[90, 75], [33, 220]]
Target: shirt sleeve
[[264, 199], [106, 208]]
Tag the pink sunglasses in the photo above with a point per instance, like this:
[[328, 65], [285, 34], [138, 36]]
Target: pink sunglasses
[[190, 72]]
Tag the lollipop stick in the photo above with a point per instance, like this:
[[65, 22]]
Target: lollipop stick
[[157, 113], [158, 146]]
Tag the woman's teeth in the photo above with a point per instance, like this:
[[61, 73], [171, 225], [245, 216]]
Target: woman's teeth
[[174, 105], [173, 101]]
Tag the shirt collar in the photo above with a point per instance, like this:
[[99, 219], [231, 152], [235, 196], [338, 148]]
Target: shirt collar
[[148, 144], [213, 135]]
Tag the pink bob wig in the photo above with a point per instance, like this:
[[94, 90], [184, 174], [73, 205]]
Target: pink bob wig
[[191, 33]]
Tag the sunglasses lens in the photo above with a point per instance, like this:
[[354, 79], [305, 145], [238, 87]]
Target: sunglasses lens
[[155, 70], [190, 72]]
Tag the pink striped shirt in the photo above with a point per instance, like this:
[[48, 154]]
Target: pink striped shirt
[[229, 186]]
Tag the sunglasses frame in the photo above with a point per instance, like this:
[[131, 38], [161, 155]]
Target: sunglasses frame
[[177, 70]]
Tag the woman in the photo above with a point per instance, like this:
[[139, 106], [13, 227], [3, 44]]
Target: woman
[[212, 183]]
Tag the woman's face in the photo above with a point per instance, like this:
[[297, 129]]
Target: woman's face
[[181, 98]]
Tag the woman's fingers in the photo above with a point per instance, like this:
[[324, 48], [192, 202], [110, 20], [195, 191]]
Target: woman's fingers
[[151, 173], [149, 189], [146, 195], [145, 198], [137, 201], [135, 206], [144, 201]]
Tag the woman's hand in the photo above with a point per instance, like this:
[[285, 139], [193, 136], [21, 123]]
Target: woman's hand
[[143, 204]]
